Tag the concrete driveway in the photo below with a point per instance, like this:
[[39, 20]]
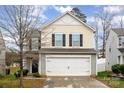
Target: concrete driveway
[[73, 82]]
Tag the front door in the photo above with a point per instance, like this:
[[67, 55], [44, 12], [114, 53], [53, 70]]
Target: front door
[[34, 66]]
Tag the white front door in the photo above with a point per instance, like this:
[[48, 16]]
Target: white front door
[[68, 65]]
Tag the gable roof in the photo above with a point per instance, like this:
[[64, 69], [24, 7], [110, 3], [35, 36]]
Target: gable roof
[[70, 15], [119, 31]]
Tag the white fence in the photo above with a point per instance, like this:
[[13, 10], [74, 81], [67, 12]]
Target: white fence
[[101, 64]]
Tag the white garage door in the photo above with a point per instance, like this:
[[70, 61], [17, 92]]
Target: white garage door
[[65, 66]]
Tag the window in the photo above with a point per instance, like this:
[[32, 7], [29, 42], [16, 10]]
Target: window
[[35, 44], [25, 47], [118, 59], [121, 41], [77, 39], [58, 39], [110, 49]]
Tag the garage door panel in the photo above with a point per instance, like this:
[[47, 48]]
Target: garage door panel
[[68, 66]]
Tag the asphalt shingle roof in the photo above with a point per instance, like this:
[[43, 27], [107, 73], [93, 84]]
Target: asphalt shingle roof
[[119, 31]]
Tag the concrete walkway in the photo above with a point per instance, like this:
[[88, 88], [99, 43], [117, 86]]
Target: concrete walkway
[[73, 82]]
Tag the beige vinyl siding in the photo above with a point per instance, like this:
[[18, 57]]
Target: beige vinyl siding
[[87, 35]]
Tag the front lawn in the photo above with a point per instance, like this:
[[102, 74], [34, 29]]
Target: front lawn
[[106, 78], [10, 81]]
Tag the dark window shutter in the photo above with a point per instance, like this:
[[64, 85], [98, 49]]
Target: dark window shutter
[[119, 41], [81, 40], [53, 39], [119, 38], [39, 43], [70, 39], [64, 38]]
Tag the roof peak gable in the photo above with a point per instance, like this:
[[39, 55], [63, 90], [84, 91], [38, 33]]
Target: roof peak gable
[[68, 12]]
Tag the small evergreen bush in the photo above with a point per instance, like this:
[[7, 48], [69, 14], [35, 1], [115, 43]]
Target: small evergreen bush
[[122, 69], [116, 68]]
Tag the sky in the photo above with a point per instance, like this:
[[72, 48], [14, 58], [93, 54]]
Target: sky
[[52, 11]]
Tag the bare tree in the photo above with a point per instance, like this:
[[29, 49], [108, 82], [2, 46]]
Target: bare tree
[[121, 22], [105, 18], [17, 22], [96, 20]]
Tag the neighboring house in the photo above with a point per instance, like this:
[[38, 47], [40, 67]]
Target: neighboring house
[[2, 55], [115, 48], [67, 48]]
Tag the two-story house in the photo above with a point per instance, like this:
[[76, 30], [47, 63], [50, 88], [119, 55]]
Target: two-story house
[[115, 48], [67, 48], [2, 55]]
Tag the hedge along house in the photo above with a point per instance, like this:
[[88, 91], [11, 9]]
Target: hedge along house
[[2, 54]]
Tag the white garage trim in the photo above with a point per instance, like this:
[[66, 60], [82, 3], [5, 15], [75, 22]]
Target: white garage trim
[[60, 55], [71, 64]]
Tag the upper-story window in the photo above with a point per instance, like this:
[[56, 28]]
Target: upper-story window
[[76, 39], [121, 40], [58, 39], [34, 44], [25, 47]]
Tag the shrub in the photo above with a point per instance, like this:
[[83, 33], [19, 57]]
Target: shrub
[[25, 72], [116, 68], [36, 75], [122, 68], [18, 73]]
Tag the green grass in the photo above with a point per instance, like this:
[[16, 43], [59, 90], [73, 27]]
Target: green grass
[[10, 81], [106, 78]]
